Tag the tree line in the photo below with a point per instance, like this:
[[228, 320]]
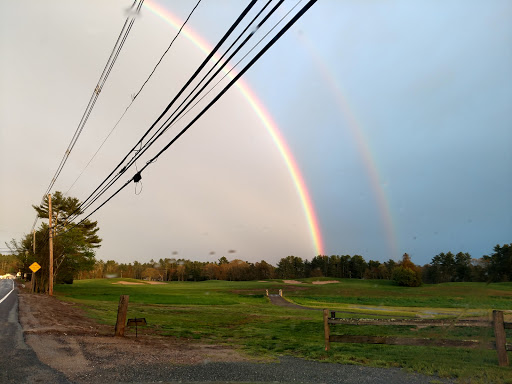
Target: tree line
[[444, 267], [75, 245]]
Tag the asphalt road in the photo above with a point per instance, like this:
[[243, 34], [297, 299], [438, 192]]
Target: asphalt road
[[18, 362]]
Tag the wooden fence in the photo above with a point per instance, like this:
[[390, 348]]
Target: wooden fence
[[500, 343]]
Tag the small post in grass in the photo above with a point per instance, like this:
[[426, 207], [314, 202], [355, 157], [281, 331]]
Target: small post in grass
[[122, 309], [326, 330], [136, 322], [501, 338]]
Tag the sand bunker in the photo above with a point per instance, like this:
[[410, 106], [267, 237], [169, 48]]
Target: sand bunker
[[292, 282], [326, 282], [133, 283], [128, 283]]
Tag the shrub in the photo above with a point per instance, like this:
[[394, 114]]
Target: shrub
[[407, 277]]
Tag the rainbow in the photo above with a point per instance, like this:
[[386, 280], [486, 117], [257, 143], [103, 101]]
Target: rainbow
[[363, 147], [265, 119]]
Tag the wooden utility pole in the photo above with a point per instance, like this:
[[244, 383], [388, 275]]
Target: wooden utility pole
[[33, 277], [50, 278]]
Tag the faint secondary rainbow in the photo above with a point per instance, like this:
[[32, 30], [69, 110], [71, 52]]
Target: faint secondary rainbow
[[362, 145], [266, 120]]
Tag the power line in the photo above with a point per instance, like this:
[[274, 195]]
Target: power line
[[92, 101], [236, 65], [191, 79], [135, 96], [163, 128], [137, 176], [132, 161], [167, 124]]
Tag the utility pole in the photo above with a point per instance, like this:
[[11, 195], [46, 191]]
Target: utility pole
[[33, 277], [50, 280]]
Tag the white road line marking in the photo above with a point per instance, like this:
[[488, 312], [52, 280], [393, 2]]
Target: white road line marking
[[5, 297]]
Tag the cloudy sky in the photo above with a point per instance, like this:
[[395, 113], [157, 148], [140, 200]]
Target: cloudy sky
[[396, 114]]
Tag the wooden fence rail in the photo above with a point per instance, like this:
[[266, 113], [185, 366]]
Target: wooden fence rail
[[500, 343]]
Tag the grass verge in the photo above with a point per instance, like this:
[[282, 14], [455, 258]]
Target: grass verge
[[238, 314]]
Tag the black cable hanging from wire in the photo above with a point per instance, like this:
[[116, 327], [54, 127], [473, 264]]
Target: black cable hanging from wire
[[177, 113], [163, 128], [92, 101], [135, 96], [297, 16], [196, 73]]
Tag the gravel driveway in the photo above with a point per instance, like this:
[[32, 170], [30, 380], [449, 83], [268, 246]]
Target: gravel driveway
[[287, 370]]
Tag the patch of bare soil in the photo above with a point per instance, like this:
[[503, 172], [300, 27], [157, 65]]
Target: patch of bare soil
[[65, 339], [127, 283], [134, 283], [326, 282]]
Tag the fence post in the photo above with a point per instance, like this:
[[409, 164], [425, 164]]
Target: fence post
[[326, 330], [122, 309], [501, 338]]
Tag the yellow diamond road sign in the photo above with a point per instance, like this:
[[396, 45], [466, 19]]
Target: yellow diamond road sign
[[35, 267]]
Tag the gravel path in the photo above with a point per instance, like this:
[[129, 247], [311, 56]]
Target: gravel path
[[287, 370]]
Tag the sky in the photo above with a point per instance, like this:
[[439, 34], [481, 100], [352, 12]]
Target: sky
[[395, 115]]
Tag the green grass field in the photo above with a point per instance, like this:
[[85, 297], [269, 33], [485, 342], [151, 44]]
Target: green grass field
[[239, 314]]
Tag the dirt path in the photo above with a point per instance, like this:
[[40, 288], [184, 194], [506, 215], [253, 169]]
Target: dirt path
[[278, 300]]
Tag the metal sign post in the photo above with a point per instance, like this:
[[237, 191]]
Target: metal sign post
[[136, 322]]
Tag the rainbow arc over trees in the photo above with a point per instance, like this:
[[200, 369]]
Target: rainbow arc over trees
[[265, 118]]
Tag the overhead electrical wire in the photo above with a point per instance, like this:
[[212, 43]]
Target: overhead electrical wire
[[133, 160], [133, 12], [163, 128], [135, 96], [258, 55], [191, 79], [234, 66], [166, 124]]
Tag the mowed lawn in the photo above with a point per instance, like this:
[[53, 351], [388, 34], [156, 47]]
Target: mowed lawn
[[239, 314]]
